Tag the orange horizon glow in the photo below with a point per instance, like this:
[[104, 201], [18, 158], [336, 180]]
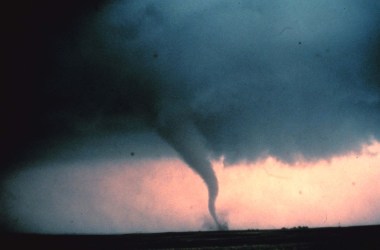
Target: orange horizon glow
[[341, 191], [166, 195]]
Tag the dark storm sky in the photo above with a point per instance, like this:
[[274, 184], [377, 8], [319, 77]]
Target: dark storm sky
[[254, 77]]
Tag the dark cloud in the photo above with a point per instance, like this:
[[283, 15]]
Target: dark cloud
[[254, 80], [239, 80]]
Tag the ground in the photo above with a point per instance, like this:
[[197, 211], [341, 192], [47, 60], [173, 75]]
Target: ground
[[359, 237]]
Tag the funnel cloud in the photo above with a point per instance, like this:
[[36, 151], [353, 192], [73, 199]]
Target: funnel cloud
[[187, 141], [232, 80]]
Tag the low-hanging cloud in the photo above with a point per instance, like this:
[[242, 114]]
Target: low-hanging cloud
[[240, 80], [253, 77]]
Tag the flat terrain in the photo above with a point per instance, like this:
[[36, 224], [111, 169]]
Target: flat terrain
[[360, 237]]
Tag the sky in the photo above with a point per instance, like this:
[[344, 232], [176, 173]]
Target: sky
[[161, 195], [150, 116]]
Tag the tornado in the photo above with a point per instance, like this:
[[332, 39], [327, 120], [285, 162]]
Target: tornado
[[185, 138]]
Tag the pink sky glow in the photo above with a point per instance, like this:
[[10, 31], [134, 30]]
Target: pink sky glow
[[165, 195]]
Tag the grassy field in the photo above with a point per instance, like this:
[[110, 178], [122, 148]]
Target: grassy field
[[360, 237]]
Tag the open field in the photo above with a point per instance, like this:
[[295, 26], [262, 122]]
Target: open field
[[360, 237]]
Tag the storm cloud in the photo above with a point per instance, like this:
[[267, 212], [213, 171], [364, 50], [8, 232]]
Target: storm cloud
[[237, 80], [288, 79]]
